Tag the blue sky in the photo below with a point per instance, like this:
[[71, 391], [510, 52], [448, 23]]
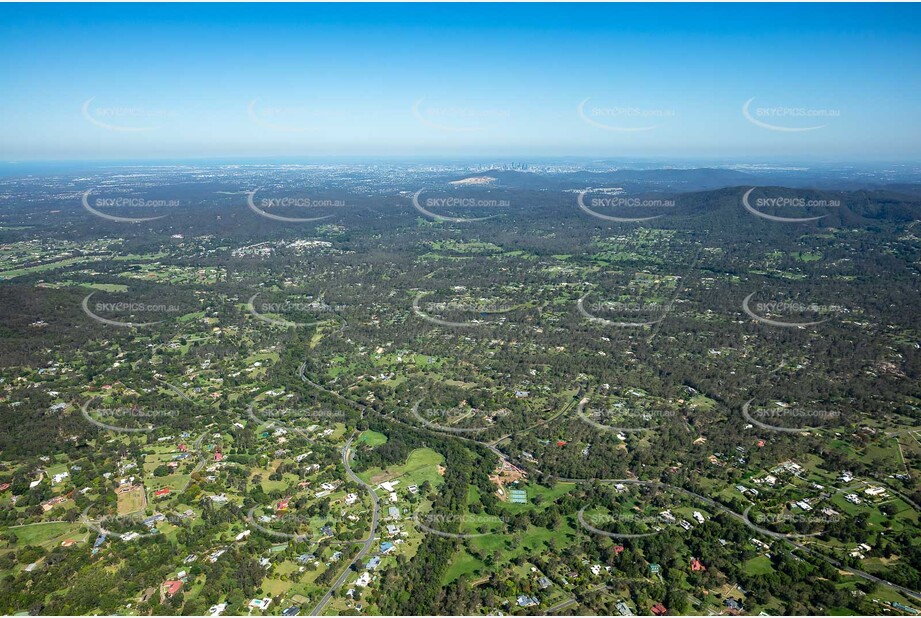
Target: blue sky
[[830, 82]]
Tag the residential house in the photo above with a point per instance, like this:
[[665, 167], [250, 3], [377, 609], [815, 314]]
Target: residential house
[[527, 601], [170, 588], [260, 604]]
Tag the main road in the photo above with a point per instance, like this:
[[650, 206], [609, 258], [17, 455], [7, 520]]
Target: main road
[[743, 518], [366, 547], [493, 446]]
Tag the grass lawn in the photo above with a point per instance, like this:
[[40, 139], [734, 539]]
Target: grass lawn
[[105, 287], [700, 402], [338, 432], [286, 568], [421, 465], [57, 469], [886, 452], [139, 256], [760, 565], [270, 485], [49, 534], [276, 587], [372, 438], [173, 481], [28, 270], [462, 564], [533, 541]]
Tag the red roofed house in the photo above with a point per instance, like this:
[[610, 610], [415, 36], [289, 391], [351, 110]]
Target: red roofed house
[[4, 487], [618, 549], [183, 448], [218, 456], [659, 610], [47, 505], [282, 505], [162, 492], [171, 587], [561, 442], [696, 565]]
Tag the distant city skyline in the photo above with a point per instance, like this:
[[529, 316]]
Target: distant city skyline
[[671, 82]]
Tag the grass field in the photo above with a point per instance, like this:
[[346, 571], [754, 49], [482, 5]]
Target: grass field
[[28, 270], [275, 587], [531, 542], [372, 438], [131, 501], [269, 485], [139, 256], [51, 533], [462, 564], [760, 565], [105, 287], [421, 465]]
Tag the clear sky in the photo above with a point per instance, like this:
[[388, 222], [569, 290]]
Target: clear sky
[[152, 81]]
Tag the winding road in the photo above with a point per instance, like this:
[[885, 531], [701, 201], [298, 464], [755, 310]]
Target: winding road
[[744, 520], [573, 601], [493, 446], [178, 391], [368, 544]]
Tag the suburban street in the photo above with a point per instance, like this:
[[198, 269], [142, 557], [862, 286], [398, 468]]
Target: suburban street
[[493, 446], [368, 544]]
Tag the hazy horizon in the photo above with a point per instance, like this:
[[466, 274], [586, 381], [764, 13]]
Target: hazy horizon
[[728, 82]]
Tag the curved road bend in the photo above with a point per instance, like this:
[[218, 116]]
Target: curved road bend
[[708, 501], [775, 535], [300, 373], [375, 514], [541, 423], [346, 453], [178, 391]]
